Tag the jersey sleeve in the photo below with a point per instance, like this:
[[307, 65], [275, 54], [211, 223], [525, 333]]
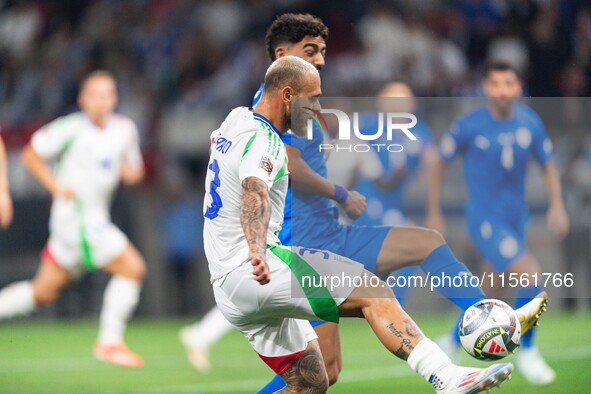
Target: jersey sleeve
[[294, 141], [541, 145], [133, 154], [453, 142], [264, 158], [53, 139], [257, 95]]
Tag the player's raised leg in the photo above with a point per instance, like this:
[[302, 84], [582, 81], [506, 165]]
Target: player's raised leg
[[402, 337], [405, 246], [21, 298], [120, 300]]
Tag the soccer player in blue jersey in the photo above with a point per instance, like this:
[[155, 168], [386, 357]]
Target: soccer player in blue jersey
[[385, 195], [496, 141], [311, 217]]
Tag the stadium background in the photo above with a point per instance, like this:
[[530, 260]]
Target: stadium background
[[181, 65]]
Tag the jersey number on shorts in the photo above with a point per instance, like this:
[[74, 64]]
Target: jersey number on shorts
[[216, 200]]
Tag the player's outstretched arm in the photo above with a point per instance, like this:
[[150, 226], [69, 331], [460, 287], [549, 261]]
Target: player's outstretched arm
[[435, 169], [304, 179], [557, 218], [5, 199], [42, 172], [255, 213]]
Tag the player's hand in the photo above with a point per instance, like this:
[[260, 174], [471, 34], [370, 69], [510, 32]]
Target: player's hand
[[260, 269], [63, 192], [436, 221], [354, 205], [6, 210], [558, 221]]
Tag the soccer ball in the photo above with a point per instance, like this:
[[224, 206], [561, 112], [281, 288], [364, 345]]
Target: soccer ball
[[489, 330]]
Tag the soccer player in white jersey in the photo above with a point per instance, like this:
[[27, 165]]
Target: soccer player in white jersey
[[5, 200], [94, 149], [260, 285]]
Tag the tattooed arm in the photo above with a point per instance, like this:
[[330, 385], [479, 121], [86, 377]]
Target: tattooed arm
[[255, 212]]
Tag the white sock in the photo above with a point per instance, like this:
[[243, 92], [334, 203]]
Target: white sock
[[428, 360], [211, 328], [119, 301], [16, 299]]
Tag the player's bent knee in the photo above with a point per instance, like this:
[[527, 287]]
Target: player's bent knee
[[45, 297], [333, 369], [140, 270], [307, 373], [131, 268]]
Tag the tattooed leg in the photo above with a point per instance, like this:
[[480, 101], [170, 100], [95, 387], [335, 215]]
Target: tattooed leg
[[393, 327], [307, 374]]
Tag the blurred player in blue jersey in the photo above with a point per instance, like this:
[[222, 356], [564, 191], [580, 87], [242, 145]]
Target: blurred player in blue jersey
[[496, 142], [311, 218], [386, 194]]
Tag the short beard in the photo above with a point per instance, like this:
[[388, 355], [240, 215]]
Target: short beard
[[502, 107]]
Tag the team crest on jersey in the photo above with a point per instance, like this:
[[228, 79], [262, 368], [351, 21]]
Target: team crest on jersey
[[266, 165]]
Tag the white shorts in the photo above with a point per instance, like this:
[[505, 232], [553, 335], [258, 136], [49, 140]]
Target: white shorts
[[91, 247], [274, 317]]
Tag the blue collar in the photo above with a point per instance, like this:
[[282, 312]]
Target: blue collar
[[266, 121]]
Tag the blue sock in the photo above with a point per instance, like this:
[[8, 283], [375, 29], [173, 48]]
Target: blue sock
[[525, 295], [401, 291], [272, 386], [441, 263]]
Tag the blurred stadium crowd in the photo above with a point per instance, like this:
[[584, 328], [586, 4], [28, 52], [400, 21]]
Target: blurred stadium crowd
[[182, 64], [180, 58]]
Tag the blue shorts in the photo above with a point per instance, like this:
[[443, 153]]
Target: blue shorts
[[499, 240], [363, 244], [359, 243]]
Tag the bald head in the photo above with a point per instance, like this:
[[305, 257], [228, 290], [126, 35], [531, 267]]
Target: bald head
[[396, 97], [292, 87], [396, 89], [290, 71]]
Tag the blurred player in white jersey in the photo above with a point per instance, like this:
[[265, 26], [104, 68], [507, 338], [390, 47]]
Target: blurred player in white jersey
[[94, 150], [5, 200]]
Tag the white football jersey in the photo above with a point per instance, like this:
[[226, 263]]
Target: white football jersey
[[245, 145], [88, 161]]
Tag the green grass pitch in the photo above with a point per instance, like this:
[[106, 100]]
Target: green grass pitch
[[39, 356]]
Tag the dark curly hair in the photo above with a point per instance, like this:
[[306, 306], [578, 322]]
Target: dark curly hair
[[292, 28], [500, 66]]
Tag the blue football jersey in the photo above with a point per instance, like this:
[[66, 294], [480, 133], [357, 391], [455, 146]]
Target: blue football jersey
[[387, 206], [496, 153]]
